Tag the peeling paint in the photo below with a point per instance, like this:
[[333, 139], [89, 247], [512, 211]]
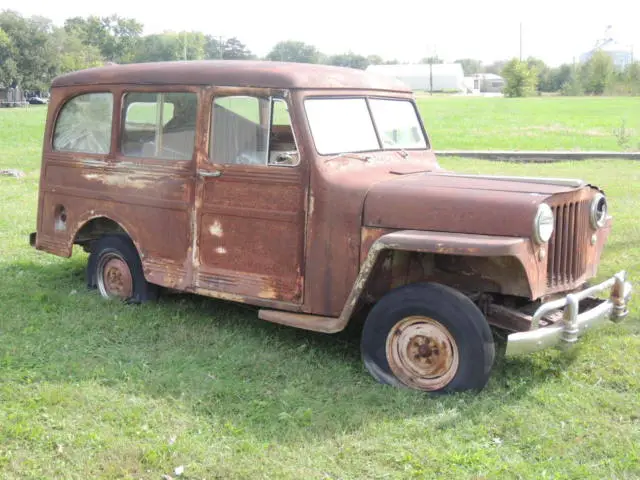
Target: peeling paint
[[221, 250], [269, 292], [216, 229], [120, 180]]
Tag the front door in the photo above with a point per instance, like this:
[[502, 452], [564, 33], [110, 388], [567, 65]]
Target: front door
[[250, 204]]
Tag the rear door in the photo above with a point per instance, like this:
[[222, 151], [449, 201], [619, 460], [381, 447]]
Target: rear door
[[155, 164]]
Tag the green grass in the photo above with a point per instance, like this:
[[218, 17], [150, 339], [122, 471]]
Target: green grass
[[95, 389], [540, 123]]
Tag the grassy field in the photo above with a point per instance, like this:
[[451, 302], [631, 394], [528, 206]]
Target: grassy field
[[95, 389], [540, 123]]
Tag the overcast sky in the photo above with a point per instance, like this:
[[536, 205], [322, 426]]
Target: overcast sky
[[555, 31]]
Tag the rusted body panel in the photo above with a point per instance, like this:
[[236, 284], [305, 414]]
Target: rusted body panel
[[150, 199], [506, 265], [232, 73], [427, 201], [307, 242]]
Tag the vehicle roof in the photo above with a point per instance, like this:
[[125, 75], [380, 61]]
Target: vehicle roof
[[242, 73]]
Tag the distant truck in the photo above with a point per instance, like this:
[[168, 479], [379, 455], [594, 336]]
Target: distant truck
[[312, 192]]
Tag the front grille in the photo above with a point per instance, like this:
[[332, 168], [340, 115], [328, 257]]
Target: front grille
[[568, 244]]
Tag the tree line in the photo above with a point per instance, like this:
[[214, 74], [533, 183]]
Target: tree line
[[596, 76], [33, 51]]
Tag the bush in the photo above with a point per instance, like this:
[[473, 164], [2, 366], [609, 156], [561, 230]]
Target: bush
[[521, 79], [572, 87], [598, 73]]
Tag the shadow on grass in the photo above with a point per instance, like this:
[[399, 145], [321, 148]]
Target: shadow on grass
[[234, 371]]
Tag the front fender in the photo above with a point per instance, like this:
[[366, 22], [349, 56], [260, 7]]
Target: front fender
[[443, 243]]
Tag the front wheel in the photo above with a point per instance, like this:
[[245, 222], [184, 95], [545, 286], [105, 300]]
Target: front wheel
[[428, 337]]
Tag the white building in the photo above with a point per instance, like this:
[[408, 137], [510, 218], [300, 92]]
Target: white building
[[445, 76], [621, 54], [484, 83]]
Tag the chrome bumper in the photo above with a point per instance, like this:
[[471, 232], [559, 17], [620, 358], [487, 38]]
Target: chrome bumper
[[573, 324]]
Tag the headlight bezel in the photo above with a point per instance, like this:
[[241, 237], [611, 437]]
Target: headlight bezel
[[545, 213], [597, 222]]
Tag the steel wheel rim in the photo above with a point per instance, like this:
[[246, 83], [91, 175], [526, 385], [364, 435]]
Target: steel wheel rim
[[422, 353], [114, 277]]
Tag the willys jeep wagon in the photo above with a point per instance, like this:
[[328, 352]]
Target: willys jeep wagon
[[312, 192]]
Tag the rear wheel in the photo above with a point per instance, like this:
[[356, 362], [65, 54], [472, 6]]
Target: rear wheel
[[114, 268], [428, 337]]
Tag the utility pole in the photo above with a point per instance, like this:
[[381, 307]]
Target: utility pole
[[221, 47], [431, 76], [432, 54], [520, 41], [185, 45]]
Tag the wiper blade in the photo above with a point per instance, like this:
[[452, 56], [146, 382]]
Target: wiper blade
[[403, 153], [363, 158]]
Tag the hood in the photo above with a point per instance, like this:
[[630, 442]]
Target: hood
[[448, 202]]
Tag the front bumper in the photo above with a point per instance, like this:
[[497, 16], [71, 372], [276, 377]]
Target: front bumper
[[573, 323]]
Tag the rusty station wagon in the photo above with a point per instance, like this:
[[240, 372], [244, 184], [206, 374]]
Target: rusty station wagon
[[313, 193]]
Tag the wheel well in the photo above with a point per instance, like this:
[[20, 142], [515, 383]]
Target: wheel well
[[94, 229], [468, 274]]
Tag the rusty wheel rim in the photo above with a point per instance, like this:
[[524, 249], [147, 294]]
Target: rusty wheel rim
[[114, 277], [422, 353]]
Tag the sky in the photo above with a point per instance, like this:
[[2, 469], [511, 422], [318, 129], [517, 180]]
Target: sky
[[555, 31]]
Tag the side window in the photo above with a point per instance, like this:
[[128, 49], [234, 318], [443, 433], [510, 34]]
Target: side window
[[159, 125], [282, 143], [240, 130], [252, 131], [84, 124]]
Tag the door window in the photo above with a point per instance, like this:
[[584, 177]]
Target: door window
[[250, 130]]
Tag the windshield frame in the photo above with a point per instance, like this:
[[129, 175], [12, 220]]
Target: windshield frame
[[367, 97]]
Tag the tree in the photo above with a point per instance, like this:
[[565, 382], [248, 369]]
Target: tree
[[234, 49], [632, 78], [559, 76], [171, 46], [521, 80], [115, 36], [572, 87], [433, 59], [8, 67], [33, 56], [194, 44], [349, 59], [158, 47], [375, 60], [74, 54], [470, 66], [212, 47], [294, 51], [597, 73], [544, 74], [496, 67]]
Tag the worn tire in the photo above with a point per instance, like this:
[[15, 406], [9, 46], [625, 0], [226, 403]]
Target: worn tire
[[419, 327], [117, 246]]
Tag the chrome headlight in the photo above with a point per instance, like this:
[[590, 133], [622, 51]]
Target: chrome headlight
[[598, 211], [543, 224]]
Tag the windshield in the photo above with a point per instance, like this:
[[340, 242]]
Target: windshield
[[348, 125]]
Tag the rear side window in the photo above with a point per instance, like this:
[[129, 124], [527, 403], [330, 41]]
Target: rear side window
[[84, 124], [159, 125]]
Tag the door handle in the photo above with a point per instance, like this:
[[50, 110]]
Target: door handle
[[214, 173]]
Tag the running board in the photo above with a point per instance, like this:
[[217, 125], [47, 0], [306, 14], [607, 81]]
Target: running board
[[302, 320]]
